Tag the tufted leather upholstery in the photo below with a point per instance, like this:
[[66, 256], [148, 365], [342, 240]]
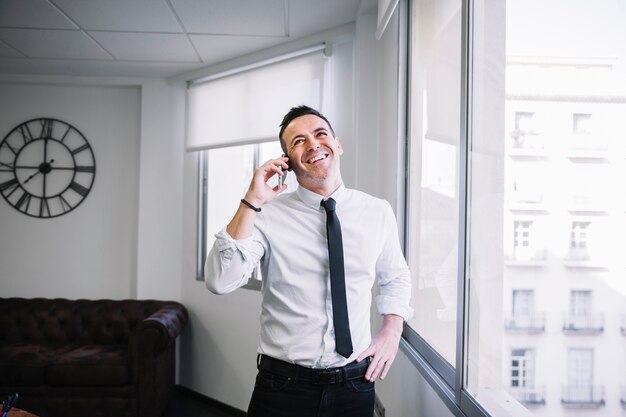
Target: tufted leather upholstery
[[78, 358]]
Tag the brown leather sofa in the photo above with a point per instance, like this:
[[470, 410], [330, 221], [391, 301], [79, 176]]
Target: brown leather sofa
[[89, 358]]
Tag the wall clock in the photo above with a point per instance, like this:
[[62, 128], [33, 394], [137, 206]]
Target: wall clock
[[47, 168]]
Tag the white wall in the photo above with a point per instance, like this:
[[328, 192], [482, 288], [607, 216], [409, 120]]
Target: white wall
[[160, 238], [90, 251], [100, 249]]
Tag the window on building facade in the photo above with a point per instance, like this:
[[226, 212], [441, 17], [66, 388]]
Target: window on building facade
[[580, 390], [578, 241], [526, 131], [524, 318], [591, 126], [581, 124], [522, 245], [529, 181], [523, 303], [522, 368], [580, 303], [522, 386]]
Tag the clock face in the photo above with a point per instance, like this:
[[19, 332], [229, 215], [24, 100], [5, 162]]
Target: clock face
[[47, 168]]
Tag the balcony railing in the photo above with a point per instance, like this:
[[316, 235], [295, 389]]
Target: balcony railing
[[527, 256], [527, 143], [534, 323], [586, 324], [588, 146], [529, 396], [583, 397]]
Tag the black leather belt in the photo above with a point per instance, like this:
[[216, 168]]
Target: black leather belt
[[313, 376]]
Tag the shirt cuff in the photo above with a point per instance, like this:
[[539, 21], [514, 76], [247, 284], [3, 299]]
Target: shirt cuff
[[227, 246], [386, 306]]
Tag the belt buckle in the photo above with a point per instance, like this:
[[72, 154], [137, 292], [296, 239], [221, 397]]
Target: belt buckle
[[326, 376]]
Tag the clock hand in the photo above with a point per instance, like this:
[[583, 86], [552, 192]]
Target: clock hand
[[44, 168], [32, 176]]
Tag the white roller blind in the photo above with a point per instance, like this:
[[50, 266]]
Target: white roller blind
[[249, 106]]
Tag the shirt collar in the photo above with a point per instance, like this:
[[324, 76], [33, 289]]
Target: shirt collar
[[313, 200]]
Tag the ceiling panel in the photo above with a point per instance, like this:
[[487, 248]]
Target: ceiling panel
[[59, 44], [7, 51], [214, 49], [32, 14], [121, 15], [147, 46], [228, 17], [307, 17], [152, 38]]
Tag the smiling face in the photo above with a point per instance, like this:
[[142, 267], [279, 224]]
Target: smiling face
[[313, 153]]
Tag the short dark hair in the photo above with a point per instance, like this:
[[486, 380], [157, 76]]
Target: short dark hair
[[295, 112]]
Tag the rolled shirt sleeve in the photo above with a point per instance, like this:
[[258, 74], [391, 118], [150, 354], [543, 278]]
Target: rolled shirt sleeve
[[393, 273], [230, 262]]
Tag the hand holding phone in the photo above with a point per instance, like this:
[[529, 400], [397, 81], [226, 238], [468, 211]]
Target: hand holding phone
[[281, 178]]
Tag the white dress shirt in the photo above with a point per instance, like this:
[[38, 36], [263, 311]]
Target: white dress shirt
[[289, 240]]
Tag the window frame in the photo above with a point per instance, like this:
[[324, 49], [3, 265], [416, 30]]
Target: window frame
[[446, 379], [254, 283]]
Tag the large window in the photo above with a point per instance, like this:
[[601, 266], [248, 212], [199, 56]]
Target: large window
[[224, 177], [516, 209], [433, 199]]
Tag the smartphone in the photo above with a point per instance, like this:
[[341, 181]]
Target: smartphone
[[281, 178]]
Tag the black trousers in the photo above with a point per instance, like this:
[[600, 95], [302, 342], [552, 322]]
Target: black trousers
[[277, 395]]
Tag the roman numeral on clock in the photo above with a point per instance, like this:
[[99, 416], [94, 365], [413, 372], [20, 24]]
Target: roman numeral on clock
[[8, 185], [65, 206], [46, 128], [84, 168], [26, 133], [24, 199], [79, 188], [44, 208], [80, 149]]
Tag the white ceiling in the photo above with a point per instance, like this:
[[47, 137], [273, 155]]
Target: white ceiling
[[152, 38]]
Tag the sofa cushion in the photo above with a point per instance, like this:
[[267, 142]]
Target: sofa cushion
[[29, 365], [26, 364], [90, 365]]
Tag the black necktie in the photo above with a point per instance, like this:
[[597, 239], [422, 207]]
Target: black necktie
[[343, 340]]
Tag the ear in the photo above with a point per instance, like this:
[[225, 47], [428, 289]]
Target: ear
[[339, 147]]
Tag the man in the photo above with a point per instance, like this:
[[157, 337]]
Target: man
[[315, 303]]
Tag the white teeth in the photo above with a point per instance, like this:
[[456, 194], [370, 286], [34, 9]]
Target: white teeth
[[317, 158]]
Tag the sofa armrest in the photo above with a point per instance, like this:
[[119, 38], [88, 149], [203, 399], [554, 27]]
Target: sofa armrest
[[163, 327], [153, 357]]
